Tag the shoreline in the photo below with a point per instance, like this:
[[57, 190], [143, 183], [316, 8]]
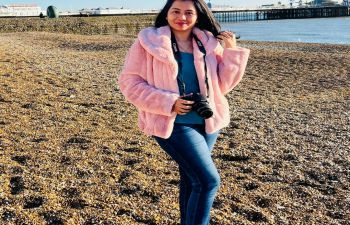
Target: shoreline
[[301, 30], [120, 25], [252, 43]]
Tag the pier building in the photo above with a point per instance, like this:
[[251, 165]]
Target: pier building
[[17, 10]]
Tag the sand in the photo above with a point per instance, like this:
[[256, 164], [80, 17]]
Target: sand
[[71, 153]]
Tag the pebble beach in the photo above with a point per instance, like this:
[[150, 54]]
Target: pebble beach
[[71, 152]]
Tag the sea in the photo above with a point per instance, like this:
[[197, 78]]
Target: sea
[[319, 30]]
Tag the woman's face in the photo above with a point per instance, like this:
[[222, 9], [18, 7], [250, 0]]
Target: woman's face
[[182, 16]]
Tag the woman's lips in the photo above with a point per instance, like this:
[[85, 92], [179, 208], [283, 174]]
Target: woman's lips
[[181, 23]]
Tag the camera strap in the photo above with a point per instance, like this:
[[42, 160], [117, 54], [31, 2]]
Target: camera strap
[[177, 55]]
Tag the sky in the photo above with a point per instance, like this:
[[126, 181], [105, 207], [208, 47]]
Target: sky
[[130, 4]]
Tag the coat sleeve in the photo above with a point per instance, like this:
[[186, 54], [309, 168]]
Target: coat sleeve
[[134, 86], [231, 67]]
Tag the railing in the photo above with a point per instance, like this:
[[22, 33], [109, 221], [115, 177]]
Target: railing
[[285, 13]]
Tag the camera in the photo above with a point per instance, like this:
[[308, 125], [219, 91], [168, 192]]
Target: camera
[[201, 105]]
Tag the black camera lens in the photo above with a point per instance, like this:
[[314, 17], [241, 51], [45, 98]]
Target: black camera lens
[[204, 112], [201, 105]]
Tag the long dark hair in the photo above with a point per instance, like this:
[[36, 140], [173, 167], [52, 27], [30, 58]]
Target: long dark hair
[[206, 19]]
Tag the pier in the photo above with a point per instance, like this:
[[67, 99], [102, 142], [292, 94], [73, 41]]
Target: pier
[[238, 15], [283, 13], [222, 15]]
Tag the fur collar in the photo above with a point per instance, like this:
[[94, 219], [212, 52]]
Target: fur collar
[[157, 41]]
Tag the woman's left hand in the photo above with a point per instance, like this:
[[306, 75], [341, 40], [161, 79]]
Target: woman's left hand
[[228, 38]]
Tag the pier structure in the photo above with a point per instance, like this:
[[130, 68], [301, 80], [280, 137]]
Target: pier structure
[[282, 13], [222, 15], [20, 10], [238, 15]]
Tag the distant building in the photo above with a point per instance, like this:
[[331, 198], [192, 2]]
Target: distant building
[[326, 2], [104, 11], [209, 5], [301, 3], [20, 10], [268, 5]]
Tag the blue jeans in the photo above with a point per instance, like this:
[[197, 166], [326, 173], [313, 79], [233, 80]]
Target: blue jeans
[[191, 148]]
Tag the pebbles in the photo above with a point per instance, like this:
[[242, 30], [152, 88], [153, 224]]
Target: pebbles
[[16, 185], [78, 25], [71, 152]]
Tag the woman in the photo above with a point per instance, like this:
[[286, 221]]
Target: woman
[[169, 64]]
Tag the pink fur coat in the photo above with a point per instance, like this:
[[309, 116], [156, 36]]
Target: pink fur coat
[[149, 79]]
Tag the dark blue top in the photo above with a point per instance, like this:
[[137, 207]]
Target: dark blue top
[[189, 77]]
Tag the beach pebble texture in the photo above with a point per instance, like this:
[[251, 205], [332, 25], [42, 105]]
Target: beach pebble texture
[[71, 152]]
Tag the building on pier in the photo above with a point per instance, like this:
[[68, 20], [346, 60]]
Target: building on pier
[[15, 10], [104, 11], [327, 2], [209, 5]]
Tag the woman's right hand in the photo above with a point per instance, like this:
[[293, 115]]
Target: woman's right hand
[[182, 106]]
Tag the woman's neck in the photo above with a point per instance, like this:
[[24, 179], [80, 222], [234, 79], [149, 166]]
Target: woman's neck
[[183, 35]]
